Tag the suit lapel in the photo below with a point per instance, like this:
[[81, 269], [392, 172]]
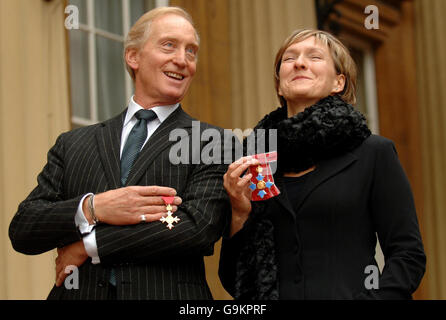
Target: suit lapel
[[282, 199], [158, 142], [324, 170], [108, 138]]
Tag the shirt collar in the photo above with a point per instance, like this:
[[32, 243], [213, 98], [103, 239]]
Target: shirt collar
[[162, 112]]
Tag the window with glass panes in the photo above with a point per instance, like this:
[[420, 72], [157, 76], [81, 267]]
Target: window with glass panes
[[100, 85]]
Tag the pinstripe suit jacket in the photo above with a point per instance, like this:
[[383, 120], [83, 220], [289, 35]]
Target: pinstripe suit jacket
[[150, 261]]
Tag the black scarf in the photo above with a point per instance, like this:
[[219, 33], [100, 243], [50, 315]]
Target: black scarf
[[327, 129]]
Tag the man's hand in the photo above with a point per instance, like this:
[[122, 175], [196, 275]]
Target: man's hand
[[124, 206], [73, 254]]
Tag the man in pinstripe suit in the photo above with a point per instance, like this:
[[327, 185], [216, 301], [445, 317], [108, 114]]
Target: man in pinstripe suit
[[121, 248]]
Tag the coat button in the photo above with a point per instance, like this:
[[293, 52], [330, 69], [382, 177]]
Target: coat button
[[101, 284]]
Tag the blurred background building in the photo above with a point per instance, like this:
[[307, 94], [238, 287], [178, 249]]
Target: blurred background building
[[53, 79]]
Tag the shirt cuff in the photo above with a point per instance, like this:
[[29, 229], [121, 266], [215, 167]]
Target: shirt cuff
[[91, 247], [87, 230], [80, 220]]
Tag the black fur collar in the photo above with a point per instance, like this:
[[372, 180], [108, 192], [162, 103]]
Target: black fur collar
[[324, 130]]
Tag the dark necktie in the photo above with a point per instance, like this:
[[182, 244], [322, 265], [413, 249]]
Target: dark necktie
[[131, 149], [135, 141]]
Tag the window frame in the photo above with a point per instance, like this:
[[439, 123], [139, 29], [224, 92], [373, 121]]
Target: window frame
[[93, 31], [370, 85]]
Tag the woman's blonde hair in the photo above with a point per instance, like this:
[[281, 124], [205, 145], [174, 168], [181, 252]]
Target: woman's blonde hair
[[139, 33], [343, 62]]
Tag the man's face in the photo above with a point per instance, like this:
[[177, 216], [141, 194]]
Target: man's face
[[165, 65]]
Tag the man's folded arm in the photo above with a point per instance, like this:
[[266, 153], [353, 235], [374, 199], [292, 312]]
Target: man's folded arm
[[45, 220], [202, 217]]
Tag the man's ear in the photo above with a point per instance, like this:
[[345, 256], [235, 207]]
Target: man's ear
[[132, 58], [339, 83]]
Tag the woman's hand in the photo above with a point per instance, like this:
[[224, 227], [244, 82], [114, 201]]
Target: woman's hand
[[239, 192]]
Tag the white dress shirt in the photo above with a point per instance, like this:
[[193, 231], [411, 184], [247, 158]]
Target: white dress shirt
[[130, 120]]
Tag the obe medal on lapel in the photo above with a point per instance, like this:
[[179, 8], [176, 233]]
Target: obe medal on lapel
[[169, 219], [262, 182]]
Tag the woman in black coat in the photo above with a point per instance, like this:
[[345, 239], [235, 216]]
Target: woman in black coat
[[341, 189]]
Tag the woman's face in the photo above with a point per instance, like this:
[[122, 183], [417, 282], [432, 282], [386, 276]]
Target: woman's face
[[307, 73]]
